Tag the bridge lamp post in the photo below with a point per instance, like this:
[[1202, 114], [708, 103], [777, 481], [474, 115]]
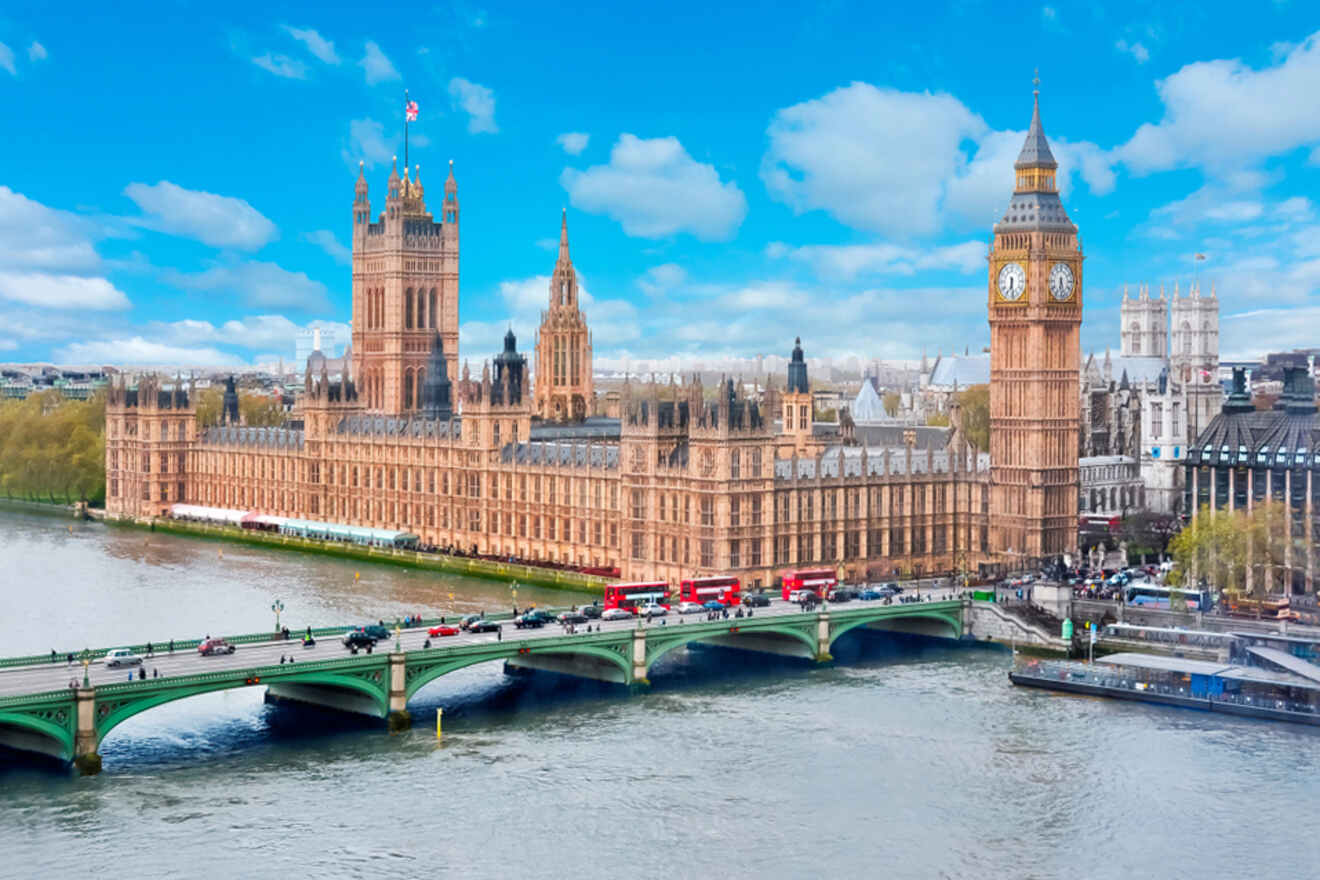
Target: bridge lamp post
[[397, 633], [277, 606], [86, 661]]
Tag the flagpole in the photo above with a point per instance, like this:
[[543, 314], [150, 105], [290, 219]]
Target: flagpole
[[405, 130]]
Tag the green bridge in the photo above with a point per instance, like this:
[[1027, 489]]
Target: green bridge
[[69, 723]]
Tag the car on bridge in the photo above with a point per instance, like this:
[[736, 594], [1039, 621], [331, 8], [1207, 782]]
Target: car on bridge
[[357, 638], [443, 629], [712, 605], [483, 626], [842, 594], [376, 631], [686, 607], [215, 646], [616, 614], [870, 595], [573, 617], [593, 611], [534, 619], [757, 600], [653, 610], [466, 623], [121, 657]]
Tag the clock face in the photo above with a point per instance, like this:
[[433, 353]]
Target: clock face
[[1012, 282], [1061, 281]]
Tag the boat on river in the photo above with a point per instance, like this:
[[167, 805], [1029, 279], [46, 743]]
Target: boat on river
[[1255, 692]]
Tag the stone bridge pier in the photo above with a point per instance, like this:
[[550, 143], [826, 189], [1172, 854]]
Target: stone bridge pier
[[399, 718], [86, 740]]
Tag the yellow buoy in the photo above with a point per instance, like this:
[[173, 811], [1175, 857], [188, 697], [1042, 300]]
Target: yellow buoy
[[439, 713], [356, 575]]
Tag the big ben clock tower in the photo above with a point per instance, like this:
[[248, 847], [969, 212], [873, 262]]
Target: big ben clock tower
[[1035, 304]]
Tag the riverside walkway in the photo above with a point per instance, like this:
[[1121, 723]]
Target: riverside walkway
[[45, 706]]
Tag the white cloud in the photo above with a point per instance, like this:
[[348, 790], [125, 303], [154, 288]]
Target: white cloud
[[845, 262], [366, 142], [255, 332], [573, 142], [477, 101], [659, 279], [655, 189], [316, 44], [136, 351], [326, 241], [1223, 114], [37, 237], [1135, 49], [220, 221], [1253, 334], [281, 65], [1297, 208], [61, 291], [378, 68], [36, 52], [7, 59], [258, 284], [1049, 14], [898, 163]]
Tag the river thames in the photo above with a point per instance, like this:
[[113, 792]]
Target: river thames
[[907, 758]]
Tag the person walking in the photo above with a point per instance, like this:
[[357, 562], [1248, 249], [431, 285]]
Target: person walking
[[149, 651], [171, 646], [499, 634]]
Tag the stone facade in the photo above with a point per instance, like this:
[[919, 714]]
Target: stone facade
[[1035, 307], [688, 480], [563, 346]]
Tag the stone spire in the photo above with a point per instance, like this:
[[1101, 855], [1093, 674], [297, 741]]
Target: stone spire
[[1035, 150], [437, 391], [563, 238]]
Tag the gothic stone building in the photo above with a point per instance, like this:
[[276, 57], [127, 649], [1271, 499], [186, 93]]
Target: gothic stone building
[[688, 480]]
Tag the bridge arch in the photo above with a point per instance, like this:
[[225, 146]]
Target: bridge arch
[[425, 674], [35, 732], [939, 619], [658, 645], [117, 711]]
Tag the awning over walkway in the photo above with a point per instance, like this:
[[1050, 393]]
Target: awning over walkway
[[1295, 665]]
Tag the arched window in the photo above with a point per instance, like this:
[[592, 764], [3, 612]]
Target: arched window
[[407, 386], [421, 310], [432, 311], [421, 385], [408, 309], [1186, 338], [1136, 338]]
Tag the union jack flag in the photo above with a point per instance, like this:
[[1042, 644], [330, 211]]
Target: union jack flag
[[410, 111]]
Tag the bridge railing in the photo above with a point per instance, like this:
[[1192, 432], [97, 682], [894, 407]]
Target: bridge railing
[[162, 646]]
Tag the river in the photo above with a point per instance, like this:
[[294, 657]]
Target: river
[[906, 758]]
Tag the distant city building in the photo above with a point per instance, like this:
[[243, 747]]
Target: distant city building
[[312, 339]]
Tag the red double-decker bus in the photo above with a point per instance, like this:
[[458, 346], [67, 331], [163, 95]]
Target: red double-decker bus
[[818, 580], [634, 596], [725, 590]]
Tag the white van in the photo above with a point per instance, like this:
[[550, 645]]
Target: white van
[[121, 657]]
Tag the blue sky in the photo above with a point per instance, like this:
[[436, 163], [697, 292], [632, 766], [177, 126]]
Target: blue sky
[[176, 181]]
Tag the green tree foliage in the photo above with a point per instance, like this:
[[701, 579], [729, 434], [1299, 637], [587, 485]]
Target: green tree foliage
[[974, 404], [1148, 533], [53, 449], [257, 410], [261, 411], [1221, 546], [208, 402], [891, 402]]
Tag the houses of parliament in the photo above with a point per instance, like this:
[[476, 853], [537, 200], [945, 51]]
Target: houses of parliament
[[689, 480]]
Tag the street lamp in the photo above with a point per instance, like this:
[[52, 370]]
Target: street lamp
[[397, 632], [86, 661], [277, 606]]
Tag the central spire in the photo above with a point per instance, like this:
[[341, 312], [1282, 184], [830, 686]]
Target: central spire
[[563, 237], [1036, 149]]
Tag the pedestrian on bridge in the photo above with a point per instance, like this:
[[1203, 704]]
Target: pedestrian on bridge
[[149, 651], [171, 646], [52, 655]]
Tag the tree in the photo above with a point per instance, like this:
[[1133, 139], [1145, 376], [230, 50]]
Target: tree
[[1239, 552], [1149, 533], [50, 447], [261, 411], [891, 401], [974, 404], [208, 402]]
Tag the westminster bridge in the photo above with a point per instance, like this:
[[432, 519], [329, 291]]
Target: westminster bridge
[[50, 706]]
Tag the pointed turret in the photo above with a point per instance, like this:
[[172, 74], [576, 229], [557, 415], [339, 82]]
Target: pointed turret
[[563, 237], [1035, 149]]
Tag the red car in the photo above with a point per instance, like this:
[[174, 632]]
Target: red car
[[214, 646], [442, 630]]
